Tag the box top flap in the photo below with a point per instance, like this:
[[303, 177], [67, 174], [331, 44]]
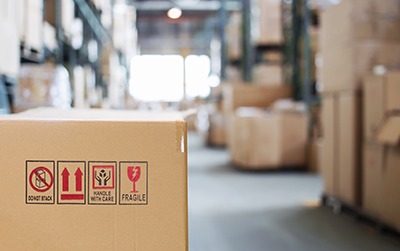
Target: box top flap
[[43, 113], [389, 130]]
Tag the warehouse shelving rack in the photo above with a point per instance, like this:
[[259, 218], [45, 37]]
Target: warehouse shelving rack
[[296, 20], [65, 54]]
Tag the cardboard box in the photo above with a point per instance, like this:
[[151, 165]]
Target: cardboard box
[[344, 67], [360, 20], [267, 74], [390, 199], [268, 21], [273, 56], [239, 95], [94, 180], [216, 130], [349, 147], [327, 146], [270, 32], [380, 97], [373, 167], [67, 10], [269, 141], [312, 157], [387, 136], [341, 149]]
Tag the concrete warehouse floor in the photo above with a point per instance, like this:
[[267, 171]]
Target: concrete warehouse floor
[[238, 211]]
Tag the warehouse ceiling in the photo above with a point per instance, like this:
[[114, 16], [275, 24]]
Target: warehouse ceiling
[[190, 34]]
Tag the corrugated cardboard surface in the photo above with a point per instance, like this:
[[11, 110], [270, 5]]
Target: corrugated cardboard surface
[[216, 130], [360, 20], [341, 147], [388, 131], [373, 166], [349, 147], [270, 141], [328, 158], [237, 95], [95, 136], [392, 91], [344, 66], [267, 74], [373, 104], [390, 188]]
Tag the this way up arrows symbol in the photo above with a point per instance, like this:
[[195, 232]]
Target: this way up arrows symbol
[[78, 180]]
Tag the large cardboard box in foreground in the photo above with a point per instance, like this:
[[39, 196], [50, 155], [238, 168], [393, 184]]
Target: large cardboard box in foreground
[[93, 180], [341, 147], [269, 140]]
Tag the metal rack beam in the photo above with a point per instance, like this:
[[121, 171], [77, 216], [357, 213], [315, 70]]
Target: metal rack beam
[[94, 23]]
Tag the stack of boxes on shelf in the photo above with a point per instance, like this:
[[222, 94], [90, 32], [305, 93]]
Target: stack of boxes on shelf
[[260, 138], [365, 35], [381, 155], [267, 21], [216, 135], [267, 30], [234, 36], [31, 25]]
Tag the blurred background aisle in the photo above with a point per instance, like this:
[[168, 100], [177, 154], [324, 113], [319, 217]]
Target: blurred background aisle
[[236, 211]]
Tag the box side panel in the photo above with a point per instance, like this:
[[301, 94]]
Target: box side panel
[[161, 224]]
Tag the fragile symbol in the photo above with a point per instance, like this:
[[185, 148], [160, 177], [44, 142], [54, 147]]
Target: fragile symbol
[[134, 175], [43, 179]]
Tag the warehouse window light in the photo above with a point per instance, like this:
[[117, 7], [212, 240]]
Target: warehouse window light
[[197, 71], [157, 78]]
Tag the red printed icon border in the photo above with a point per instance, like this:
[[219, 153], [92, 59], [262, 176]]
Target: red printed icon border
[[66, 198], [104, 167], [28, 179], [90, 179], [147, 182]]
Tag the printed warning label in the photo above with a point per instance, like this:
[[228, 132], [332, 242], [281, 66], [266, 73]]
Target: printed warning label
[[133, 188], [71, 182], [39, 182], [102, 182]]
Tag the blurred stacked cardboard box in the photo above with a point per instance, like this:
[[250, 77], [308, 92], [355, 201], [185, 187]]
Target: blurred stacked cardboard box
[[267, 74], [356, 35], [234, 36], [267, 31], [260, 139], [216, 135], [267, 21], [381, 155], [42, 85]]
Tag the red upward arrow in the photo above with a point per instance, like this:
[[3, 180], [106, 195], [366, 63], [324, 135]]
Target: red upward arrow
[[78, 178], [65, 176]]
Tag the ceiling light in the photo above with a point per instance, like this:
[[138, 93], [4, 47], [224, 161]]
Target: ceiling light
[[174, 13]]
